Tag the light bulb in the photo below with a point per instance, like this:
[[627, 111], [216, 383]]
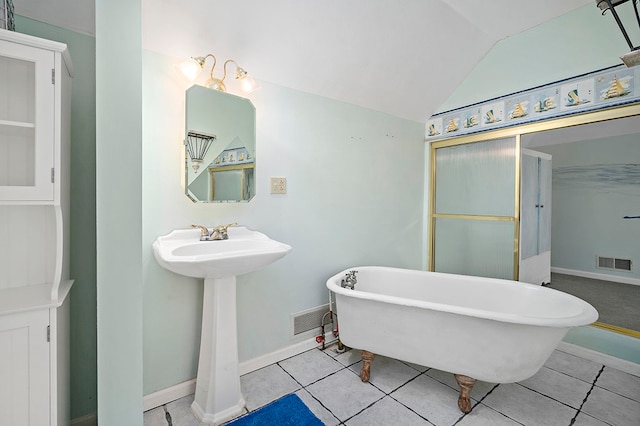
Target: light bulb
[[189, 69], [247, 84]]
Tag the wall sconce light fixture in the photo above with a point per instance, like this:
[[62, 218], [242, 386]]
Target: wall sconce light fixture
[[197, 144], [632, 58], [191, 68]]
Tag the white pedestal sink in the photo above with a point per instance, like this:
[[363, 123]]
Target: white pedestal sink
[[218, 397]]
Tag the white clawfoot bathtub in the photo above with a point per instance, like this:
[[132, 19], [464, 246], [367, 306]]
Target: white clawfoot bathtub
[[493, 330]]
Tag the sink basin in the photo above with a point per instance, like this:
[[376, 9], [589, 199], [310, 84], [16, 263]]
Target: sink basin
[[245, 251]]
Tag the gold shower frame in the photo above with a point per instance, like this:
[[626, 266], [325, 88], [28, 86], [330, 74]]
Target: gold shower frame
[[241, 167], [516, 132]]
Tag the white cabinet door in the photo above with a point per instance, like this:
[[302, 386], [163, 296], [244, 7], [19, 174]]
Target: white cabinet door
[[27, 95], [24, 369]]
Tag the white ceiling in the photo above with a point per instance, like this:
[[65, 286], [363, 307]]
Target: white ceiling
[[399, 57]]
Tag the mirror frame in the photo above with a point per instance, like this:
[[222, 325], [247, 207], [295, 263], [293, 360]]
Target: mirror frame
[[517, 131]]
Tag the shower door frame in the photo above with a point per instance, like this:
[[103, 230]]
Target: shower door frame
[[504, 133], [515, 218]]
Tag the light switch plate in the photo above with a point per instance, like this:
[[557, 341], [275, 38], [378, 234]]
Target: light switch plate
[[278, 185]]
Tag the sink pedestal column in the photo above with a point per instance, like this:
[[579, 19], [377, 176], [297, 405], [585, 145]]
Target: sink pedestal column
[[218, 397]]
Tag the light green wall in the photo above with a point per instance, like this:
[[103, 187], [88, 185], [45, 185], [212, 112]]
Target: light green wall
[[119, 210], [578, 42], [355, 183], [83, 212]]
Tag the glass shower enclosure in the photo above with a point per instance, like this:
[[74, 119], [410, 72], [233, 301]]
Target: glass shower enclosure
[[474, 208]]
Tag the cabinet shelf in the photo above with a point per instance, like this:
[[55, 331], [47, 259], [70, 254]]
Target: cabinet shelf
[[33, 297]]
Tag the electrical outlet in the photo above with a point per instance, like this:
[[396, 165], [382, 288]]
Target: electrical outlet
[[278, 185]]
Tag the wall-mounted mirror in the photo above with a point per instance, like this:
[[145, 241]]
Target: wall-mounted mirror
[[220, 146], [595, 194]]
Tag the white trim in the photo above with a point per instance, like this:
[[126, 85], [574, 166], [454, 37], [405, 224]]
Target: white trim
[[164, 396], [88, 420], [599, 357], [32, 41], [596, 276], [281, 354]]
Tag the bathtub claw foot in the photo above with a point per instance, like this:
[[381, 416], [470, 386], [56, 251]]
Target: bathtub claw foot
[[367, 359], [464, 400]]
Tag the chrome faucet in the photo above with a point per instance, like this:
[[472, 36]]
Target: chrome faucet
[[218, 233], [349, 281]]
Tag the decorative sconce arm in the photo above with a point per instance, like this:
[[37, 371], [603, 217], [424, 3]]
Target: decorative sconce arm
[[239, 71], [247, 84], [215, 61], [200, 60]]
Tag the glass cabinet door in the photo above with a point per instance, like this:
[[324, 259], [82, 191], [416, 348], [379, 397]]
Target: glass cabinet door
[[26, 123]]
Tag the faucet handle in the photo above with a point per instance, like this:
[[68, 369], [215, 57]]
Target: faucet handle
[[221, 232], [226, 227], [204, 231]]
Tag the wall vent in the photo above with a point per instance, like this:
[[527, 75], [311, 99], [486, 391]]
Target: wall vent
[[623, 264], [605, 262], [311, 319], [614, 263]]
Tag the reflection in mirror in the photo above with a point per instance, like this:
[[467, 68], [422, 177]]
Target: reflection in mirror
[[595, 195], [219, 167]]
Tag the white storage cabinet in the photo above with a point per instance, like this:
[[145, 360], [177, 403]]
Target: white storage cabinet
[[35, 84]]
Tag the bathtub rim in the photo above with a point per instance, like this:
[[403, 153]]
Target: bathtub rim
[[587, 316]]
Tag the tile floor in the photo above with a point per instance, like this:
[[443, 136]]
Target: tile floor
[[567, 391]]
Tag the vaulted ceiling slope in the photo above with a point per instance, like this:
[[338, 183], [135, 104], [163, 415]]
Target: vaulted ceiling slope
[[400, 57]]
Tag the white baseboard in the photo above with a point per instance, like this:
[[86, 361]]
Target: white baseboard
[[88, 420], [600, 358], [596, 276], [164, 396], [281, 354]]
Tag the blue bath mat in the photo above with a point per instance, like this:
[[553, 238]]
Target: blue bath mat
[[286, 411]]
